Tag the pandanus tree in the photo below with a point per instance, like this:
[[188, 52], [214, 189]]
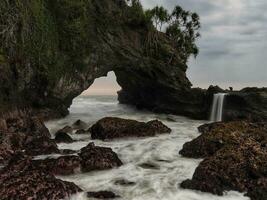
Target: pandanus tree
[[183, 31]]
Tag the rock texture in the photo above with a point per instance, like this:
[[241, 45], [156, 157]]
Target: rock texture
[[19, 181], [102, 195], [98, 158], [20, 131], [62, 54], [248, 103], [235, 158], [112, 127], [48, 56]]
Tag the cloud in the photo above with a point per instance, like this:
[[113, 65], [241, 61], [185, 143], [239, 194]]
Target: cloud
[[233, 43]]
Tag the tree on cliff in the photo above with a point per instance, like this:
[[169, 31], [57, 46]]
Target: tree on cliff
[[183, 31]]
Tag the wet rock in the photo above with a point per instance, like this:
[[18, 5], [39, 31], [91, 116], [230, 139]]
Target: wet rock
[[80, 131], [62, 137], [79, 124], [41, 146], [19, 181], [237, 167], [64, 165], [217, 135], [20, 131], [259, 190], [98, 158], [102, 195], [67, 151], [111, 127], [149, 166], [124, 182], [66, 129]]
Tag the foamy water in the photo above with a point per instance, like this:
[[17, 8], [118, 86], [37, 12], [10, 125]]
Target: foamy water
[[158, 183]]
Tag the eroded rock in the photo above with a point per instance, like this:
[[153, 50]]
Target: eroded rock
[[102, 195], [98, 158], [238, 162], [62, 137], [216, 135], [112, 127], [19, 180]]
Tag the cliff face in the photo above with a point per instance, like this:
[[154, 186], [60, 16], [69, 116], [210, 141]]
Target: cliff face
[[57, 48], [53, 50]]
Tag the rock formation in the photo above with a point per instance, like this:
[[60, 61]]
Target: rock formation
[[235, 159], [50, 56], [112, 127]]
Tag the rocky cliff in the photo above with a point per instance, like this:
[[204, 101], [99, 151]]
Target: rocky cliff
[[53, 50]]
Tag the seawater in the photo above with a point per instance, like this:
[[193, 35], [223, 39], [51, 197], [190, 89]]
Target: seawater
[[158, 183]]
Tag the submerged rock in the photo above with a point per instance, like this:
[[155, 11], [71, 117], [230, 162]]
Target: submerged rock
[[124, 182], [80, 131], [66, 129], [98, 158], [112, 127], [19, 180], [79, 124], [102, 195], [62, 137]]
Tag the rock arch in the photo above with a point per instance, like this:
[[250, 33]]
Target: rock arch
[[84, 40]]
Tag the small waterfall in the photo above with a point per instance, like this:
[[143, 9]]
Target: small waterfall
[[217, 107]]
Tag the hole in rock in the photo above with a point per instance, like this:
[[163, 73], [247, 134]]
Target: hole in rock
[[103, 86]]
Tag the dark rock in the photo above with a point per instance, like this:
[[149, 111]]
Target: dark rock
[[64, 165], [41, 146], [19, 181], [259, 190], [20, 131], [111, 127], [67, 151], [62, 137], [149, 166], [66, 129], [124, 182], [249, 103], [234, 167], [98, 158], [79, 124], [238, 162], [102, 195], [80, 131], [217, 135]]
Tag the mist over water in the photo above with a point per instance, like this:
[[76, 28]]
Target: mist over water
[[161, 182]]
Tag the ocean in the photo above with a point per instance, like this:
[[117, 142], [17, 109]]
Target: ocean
[[160, 182]]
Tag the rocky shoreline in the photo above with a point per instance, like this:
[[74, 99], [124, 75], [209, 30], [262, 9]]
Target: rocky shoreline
[[23, 137], [235, 157]]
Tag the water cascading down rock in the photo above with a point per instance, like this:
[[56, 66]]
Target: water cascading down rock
[[217, 107]]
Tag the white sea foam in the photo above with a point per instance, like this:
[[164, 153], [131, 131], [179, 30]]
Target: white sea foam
[[160, 183]]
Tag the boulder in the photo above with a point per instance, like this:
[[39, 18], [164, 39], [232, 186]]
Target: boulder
[[102, 195], [64, 165], [98, 158], [19, 180], [235, 158], [112, 127], [66, 129], [79, 124], [80, 131], [217, 135], [237, 167], [20, 131], [62, 137]]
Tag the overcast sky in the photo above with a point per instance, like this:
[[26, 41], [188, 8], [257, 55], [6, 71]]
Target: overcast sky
[[233, 43]]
